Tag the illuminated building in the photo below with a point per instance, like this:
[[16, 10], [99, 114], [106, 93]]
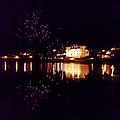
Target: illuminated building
[[76, 51], [104, 54], [112, 53], [115, 52]]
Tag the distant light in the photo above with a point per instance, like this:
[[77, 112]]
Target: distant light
[[16, 57], [106, 56], [61, 58], [54, 50], [31, 57], [4, 57], [91, 58], [103, 50], [25, 54], [108, 52], [112, 48]]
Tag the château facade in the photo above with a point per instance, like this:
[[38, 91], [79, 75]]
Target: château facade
[[76, 51]]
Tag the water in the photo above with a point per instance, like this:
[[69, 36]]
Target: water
[[70, 70], [55, 91]]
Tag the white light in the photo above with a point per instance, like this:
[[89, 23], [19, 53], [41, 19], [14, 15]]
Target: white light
[[25, 66], [113, 68], [5, 66]]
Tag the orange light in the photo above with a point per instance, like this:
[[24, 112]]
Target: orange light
[[31, 66]]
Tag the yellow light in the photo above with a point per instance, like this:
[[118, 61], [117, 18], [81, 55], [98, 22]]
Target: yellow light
[[103, 50], [61, 58], [108, 52], [104, 69], [72, 58], [25, 53], [112, 48], [54, 50], [30, 56], [79, 72], [16, 66], [92, 58], [16, 57], [73, 70], [4, 57], [113, 68]]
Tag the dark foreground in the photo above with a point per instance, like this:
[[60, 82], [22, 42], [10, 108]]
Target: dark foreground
[[25, 96]]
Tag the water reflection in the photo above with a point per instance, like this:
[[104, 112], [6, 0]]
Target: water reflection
[[71, 70], [108, 69], [16, 66], [5, 66], [92, 67], [64, 70], [113, 68], [31, 66], [33, 94], [25, 66]]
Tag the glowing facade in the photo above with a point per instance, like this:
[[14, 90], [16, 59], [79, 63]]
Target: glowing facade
[[76, 51]]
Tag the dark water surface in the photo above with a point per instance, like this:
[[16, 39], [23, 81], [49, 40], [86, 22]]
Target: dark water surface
[[59, 91]]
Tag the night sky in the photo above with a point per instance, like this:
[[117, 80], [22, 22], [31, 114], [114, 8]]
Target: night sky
[[95, 23]]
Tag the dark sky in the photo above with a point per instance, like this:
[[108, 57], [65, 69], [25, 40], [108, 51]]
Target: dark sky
[[95, 22]]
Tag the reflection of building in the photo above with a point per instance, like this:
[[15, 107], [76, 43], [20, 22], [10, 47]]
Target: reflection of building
[[76, 51], [72, 70], [108, 69], [76, 71]]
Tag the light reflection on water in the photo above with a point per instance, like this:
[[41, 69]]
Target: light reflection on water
[[5, 66], [25, 67], [108, 69], [70, 70], [31, 66], [16, 66]]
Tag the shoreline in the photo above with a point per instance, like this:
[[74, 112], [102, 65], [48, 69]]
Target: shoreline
[[81, 60]]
